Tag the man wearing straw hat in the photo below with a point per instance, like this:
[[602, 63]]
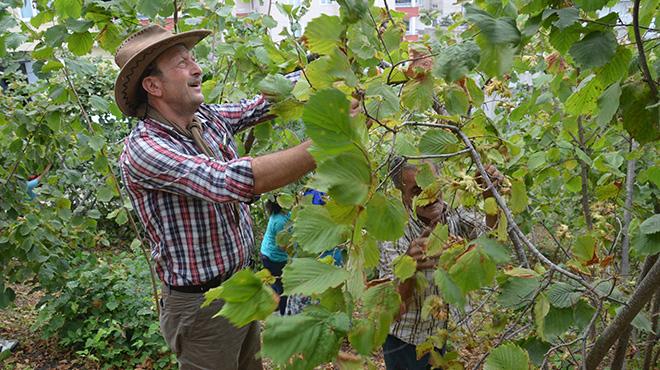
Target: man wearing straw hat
[[191, 190]]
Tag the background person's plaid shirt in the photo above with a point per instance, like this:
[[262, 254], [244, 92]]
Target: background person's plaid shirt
[[411, 327], [192, 206]]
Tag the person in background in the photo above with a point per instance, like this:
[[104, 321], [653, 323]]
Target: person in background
[[409, 329], [273, 257]]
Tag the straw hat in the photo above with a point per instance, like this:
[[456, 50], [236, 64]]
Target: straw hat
[[136, 53]]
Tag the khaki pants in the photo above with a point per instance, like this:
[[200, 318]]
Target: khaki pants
[[202, 342]]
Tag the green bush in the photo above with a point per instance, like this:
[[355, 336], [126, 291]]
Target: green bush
[[103, 309]]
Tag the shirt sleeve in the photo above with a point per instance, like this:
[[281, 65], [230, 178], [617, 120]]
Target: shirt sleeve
[[152, 163], [470, 225], [247, 112], [388, 252]]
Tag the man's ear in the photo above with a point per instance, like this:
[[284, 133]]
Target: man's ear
[[152, 86]]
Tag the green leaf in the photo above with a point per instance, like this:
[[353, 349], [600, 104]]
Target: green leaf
[[584, 247], [246, 298], [404, 267], [7, 296], [490, 206], [639, 120], [455, 61], [417, 94], [518, 292], [594, 50], [473, 270], [353, 10], [563, 295], [507, 357], [567, 17], [347, 178], [562, 40], [305, 340], [380, 304], [536, 160], [98, 103], [386, 217], [496, 251], [437, 239], [456, 101], [541, 309], [68, 8], [316, 231], [608, 104], [519, 198], [276, 86], [308, 276], [497, 30], [557, 322], [80, 43], [647, 244], [327, 122], [105, 193], [651, 225], [496, 60], [450, 292], [617, 68], [322, 33], [590, 5], [584, 99], [381, 100], [437, 142]]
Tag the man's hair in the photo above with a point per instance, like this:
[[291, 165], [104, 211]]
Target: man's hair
[[151, 70], [397, 166], [272, 207]]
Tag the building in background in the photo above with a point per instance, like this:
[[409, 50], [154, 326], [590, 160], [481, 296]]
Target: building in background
[[328, 7]]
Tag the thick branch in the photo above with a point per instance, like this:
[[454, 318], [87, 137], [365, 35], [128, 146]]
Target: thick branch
[[584, 174], [653, 337], [642, 54], [627, 214], [639, 298]]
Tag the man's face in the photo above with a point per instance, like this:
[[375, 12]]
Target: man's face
[[428, 213], [180, 79]]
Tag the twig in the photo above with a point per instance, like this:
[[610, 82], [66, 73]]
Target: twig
[[389, 74], [175, 17], [380, 37], [589, 328], [15, 166], [621, 24], [224, 80], [389, 15], [138, 235], [435, 156], [642, 53]]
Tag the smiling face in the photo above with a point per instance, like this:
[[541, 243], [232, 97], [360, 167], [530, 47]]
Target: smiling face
[[178, 80], [410, 189]]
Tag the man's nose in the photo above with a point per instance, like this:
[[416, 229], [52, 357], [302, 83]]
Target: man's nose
[[196, 69]]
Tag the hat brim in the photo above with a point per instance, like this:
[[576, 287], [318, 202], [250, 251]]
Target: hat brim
[[126, 85]]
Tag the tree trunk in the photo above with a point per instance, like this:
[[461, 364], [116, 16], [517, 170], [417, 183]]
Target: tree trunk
[[584, 174], [653, 337], [639, 298], [627, 211]]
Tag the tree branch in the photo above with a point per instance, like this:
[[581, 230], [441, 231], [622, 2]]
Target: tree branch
[[584, 175], [627, 214], [637, 300], [652, 337], [642, 54]]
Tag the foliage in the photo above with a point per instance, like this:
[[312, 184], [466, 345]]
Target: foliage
[[549, 92], [102, 308]]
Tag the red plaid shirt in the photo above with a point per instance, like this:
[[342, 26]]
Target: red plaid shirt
[[194, 207]]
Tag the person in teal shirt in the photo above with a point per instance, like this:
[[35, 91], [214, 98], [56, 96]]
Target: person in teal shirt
[[273, 257]]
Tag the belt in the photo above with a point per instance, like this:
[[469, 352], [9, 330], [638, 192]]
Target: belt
[[202, 288]]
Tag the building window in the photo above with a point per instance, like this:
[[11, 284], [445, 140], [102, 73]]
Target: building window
[[28, 10], [403, 3], [327, 2]]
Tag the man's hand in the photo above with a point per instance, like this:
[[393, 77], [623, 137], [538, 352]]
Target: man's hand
[[495, 177], [417, 250]]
